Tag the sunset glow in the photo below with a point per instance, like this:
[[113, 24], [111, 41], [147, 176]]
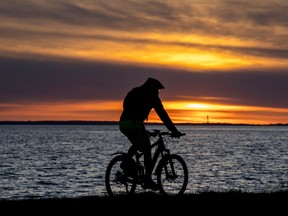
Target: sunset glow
[[76, 60], [176, 52], [218, 113], [180, 112]]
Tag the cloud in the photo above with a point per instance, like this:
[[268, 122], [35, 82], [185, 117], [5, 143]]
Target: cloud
[[52, 26], [113, 14], [26, 81], [135, 15], [256, 51]]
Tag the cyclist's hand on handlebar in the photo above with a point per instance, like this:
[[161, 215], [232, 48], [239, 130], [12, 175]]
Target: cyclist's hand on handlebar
[[177, 134]]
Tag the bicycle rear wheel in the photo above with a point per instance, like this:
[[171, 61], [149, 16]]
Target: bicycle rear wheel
[[116, 181], [172, 176]]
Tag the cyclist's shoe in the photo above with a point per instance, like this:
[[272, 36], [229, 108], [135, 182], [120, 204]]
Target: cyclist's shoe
[[151, 185]]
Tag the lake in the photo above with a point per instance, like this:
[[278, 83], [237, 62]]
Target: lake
[[44, 161]]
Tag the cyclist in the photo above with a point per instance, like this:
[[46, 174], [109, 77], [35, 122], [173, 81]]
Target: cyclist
[[136, 107]]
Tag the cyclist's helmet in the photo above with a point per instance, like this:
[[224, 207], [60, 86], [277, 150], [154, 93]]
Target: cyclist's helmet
[[154, 83]]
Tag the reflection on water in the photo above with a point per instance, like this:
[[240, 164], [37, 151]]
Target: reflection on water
[[57, 161]]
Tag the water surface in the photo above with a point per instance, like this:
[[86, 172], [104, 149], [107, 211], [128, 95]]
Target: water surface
[[70, 160]]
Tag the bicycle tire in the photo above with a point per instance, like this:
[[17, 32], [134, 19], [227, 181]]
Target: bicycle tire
[[168, 184], [116, 181]]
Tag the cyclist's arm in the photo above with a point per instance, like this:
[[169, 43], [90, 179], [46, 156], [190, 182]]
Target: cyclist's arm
[[161, 112]]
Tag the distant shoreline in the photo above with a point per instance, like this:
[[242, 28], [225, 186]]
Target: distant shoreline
[[83, 122]]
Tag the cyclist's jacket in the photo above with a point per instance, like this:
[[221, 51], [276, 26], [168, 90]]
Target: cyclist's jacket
[[138, 104]]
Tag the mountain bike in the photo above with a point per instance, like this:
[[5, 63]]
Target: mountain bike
[[169, 169]]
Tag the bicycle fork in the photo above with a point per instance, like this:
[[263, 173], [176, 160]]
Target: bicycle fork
[[168, 167]]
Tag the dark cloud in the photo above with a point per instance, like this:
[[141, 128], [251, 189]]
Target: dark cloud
[[106, 14], [262, 13], [242, 87], [23, 81], [134, 15]]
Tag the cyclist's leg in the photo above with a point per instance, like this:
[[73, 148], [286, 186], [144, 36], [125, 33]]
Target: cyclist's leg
[[136, 132], [130, 130], [144, 141], [143, 144], [131, 151]]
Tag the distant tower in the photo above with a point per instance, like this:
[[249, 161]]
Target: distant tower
[[207, 119]]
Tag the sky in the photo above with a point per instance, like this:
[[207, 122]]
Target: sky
[[77, 59]]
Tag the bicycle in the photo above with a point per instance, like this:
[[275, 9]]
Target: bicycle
[[170, 170]]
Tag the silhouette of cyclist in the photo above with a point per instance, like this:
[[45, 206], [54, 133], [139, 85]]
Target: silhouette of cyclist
[[136, 107]]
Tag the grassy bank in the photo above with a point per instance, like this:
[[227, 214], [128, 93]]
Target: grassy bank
[[147, 202]]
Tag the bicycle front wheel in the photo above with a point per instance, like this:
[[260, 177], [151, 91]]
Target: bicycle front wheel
[[172, 176], [116, 181]]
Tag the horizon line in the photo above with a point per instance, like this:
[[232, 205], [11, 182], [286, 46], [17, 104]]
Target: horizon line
[[95, 122]]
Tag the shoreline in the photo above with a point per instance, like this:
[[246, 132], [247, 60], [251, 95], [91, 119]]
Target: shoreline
[[151, 202]]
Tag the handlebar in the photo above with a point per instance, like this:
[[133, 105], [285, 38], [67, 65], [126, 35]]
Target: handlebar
[[156, 132]]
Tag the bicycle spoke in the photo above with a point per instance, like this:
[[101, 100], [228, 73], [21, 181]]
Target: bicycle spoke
[[173, 176], [117, 182]]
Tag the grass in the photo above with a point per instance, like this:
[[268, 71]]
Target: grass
[[153, 202]]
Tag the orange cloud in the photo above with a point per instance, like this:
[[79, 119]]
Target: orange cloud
[[179, 111], [197, 112], [101, 111]]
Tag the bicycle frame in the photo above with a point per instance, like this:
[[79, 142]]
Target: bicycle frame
[[161, 150]]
